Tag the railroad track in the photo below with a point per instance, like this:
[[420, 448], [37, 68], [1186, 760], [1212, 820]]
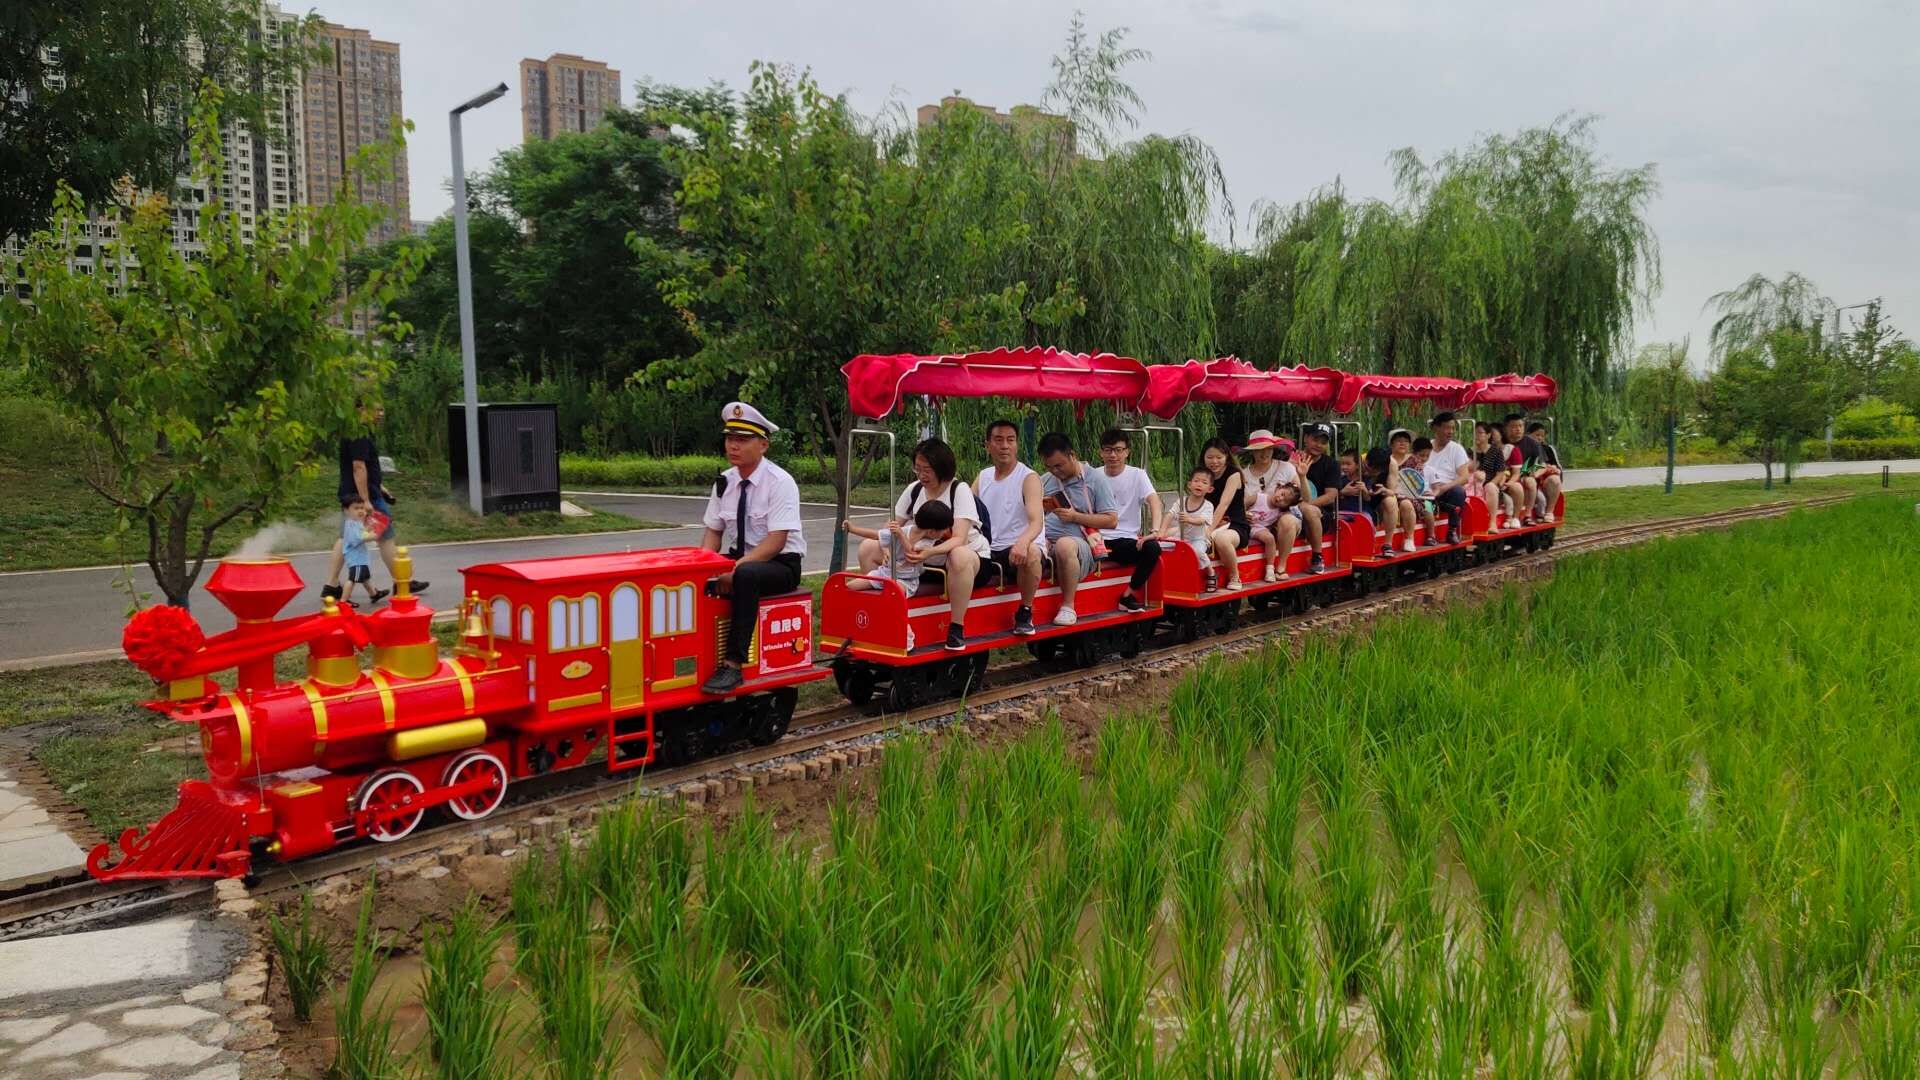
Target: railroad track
[[88, 904]]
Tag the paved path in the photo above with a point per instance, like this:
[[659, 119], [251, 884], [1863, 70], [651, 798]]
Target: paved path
[[32, 846], [70, 616], [141, 1001], [1707, 474]]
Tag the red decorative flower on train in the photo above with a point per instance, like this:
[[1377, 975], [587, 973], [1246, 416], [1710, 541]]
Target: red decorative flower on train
[[160, 639]]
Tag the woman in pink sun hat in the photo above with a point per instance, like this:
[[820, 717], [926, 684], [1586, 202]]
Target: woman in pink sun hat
[[1272, 485]]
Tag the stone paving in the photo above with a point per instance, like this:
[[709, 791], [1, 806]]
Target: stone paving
[[32, 845], [154, 1000]]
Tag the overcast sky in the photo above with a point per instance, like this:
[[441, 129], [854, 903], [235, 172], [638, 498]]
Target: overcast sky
[[1787, 136]]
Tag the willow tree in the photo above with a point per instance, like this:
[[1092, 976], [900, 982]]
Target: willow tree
[[1524, 252], [1750, 312], [823, 234]]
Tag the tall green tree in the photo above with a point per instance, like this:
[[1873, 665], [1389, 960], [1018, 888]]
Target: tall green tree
[[821, 234], [94, 91], [1775, 392], [1747, 315], [206, 381], [1661, 391], [1524, 252]]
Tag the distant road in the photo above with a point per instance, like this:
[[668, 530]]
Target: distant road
[[1708, 474], [53, 617]]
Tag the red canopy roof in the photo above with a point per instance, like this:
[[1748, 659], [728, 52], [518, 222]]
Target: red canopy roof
[[1230, 379], [1507, 390], [876, 384], [1357, 388]]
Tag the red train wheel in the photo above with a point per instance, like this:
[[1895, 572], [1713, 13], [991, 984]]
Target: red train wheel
[[478, 765], [386, 795]]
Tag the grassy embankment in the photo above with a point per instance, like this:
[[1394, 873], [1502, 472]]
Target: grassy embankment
[[51, 518], [1678, 847]]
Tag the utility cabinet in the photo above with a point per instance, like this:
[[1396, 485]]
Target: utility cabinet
[[519, 455]]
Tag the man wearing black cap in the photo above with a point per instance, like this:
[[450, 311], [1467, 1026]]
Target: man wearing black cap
[[1324, 474], [753, 518]]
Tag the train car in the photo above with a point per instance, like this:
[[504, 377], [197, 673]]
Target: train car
[[879, 637], [560, 663]]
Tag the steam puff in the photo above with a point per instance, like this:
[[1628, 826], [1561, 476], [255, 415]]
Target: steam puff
[[279, 536]]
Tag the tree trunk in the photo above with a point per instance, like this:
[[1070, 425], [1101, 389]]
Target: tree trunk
[[1766, 462], [167, 550]]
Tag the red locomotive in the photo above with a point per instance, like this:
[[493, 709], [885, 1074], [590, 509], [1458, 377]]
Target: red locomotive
[[559, 660], [561, 663]]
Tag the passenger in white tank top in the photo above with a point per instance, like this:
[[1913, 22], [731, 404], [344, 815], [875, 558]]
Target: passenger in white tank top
[[1011, 494]]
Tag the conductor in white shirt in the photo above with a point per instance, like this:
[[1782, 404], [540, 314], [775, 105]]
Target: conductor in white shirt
[[753, 518]]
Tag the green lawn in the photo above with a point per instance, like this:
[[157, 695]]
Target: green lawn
[[51, 518], [1600, 507]]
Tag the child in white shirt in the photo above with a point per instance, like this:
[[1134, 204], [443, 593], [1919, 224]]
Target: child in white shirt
[[932, 524]]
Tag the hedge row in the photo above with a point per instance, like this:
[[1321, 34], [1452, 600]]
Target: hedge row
[[685, 470], [1906, 446]]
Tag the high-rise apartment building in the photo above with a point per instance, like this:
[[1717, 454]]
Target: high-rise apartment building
[[1024, 119], [564, 92], [352, 99]]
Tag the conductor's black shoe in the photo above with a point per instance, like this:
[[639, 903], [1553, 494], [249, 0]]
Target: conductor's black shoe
[[1130, 602], [417, 586], [725, 679], [956, 638], [331, 592]]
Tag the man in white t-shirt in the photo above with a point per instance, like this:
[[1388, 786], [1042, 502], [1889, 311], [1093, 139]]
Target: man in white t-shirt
[[1442, 472], [1130, 488], [1011, 493]]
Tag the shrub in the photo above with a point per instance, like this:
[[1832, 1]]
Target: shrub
[[684, 470]]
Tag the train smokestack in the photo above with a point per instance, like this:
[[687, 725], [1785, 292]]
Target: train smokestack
[[255, 590]]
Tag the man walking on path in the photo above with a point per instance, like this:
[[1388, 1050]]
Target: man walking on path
[[360, 481], [753, 518]]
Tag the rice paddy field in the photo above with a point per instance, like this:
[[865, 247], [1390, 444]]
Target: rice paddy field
[[1651, 818]]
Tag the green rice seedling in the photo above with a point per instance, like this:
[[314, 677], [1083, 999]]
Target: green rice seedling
[[1723, 997], [738, 918], [1314, 1020], [683, 1004], [1785, 970], [613, 855], [1458, 1011], [1352, 918], [1803, 1047], [1890, 1037], [1030, 1035], [1115, 1031], [363, 1027], [1402, 999], [1621, 1035], [1200, 888], [1672, 936], [1517, 1017], [305, 956], [1277, 821], [1858, 901], [1585, 909], [466, 1020], [577, 1000], [1490, 848]]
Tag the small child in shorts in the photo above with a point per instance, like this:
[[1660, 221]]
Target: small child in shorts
[[932, 525], [354, 536], [1192, 522]]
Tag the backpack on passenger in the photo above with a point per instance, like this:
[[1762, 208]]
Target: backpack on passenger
[[986, 520]]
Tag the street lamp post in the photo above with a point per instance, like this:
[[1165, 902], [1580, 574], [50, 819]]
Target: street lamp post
[[463, 271]]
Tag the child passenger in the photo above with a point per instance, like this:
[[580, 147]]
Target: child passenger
[[1192, 521], [932, 524]]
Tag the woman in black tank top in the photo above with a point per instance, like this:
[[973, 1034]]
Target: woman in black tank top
[[1232, 531]]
